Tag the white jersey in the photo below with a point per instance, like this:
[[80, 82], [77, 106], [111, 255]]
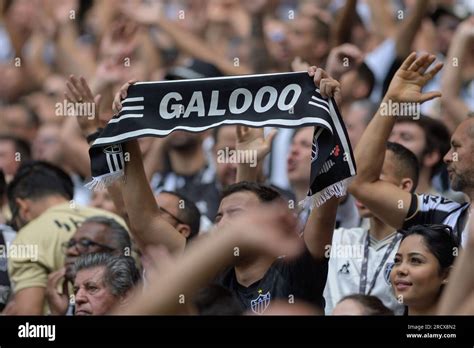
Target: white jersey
[[345, 264]]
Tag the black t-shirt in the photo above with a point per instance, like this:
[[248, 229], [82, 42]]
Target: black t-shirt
[[303, 278]]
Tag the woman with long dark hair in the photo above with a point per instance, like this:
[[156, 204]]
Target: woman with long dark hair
[[422, 266]]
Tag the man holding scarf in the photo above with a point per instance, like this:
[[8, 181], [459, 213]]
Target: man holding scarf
[[257, 279]]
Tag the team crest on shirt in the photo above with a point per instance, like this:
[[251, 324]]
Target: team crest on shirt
[[261, 303], [387, 270]]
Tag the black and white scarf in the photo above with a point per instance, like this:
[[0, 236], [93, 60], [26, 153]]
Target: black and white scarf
[[272, 100]]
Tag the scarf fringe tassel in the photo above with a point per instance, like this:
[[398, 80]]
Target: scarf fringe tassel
[[104, 181], [337, 189]]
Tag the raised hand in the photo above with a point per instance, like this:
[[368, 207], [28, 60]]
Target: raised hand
[[78, 92], [252, 139], [328, 86], [411, 77], [120, 95], [335, 64]]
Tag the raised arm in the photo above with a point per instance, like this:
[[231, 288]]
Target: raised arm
[[452, 78], [188, 42], [386, 200], [381, 18], [143, 213], [155, 158], [406, 33], [320, 225], [252, 140], [142, 210], [71, 56], [343, 27], [260, 57]]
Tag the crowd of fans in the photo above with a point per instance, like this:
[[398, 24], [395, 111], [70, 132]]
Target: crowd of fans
[[187, 233]]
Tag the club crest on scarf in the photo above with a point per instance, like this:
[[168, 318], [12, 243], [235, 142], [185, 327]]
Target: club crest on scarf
[[315, 146], [114, 157], [261, 303]]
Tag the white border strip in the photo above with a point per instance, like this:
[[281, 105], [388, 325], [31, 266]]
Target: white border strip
[[130, 108], [115, 120], [131, 100], [219, 78], [342, 136], [319, 106], [322, 101], [151, 131]]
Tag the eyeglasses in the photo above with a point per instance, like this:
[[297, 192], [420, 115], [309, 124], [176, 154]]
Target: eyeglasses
[[164, 211], [83, 245]]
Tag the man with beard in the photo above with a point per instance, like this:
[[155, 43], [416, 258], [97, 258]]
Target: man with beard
[[398, 208], [98, 234]]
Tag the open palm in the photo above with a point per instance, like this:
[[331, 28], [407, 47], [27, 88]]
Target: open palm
[[253, 139], [79, 92], [411, 77]]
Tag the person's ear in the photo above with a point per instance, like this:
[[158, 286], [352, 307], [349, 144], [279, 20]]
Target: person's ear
[[406, 184], [185, 230], [24, 209], [445, 275], [430, 159]]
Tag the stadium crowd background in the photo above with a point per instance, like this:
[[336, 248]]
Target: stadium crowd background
[[135, 253]]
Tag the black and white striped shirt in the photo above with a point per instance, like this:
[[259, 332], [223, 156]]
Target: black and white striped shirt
[[429, 209]]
